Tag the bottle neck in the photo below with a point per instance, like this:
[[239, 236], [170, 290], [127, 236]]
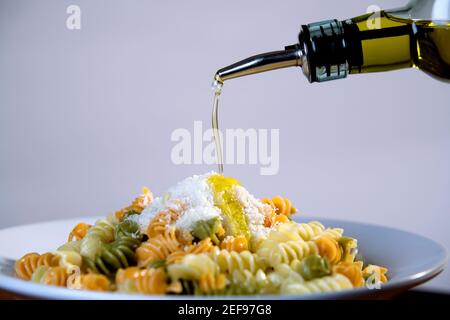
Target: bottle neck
[[324, 48], [334, 49]]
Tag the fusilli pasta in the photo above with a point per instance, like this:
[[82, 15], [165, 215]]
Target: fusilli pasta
[[79, 231], [332, 283], [158, 248], [95, 282], [206, 236], [238, 243], [26, 265], [55, 276], [144, 281]]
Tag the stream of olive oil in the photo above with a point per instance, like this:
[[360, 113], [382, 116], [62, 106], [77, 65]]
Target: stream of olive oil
[[217, 87]]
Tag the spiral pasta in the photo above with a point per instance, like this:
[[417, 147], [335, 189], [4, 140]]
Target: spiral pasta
[[55, 276], [69, 259], [25, 266], [312, 267], [95, 282], [79, 231], [229, 261], [280, 234], [138, 204], [209, 229], [192, 266], [159, 223], [203, 246], [231, 243], [244, 282], [71, 246], [206, 236], [158, 248], [310, 230], [103, 231], [144, 281], [349, 248], [332, 283], [376, 272], [119, 254], [352, 270], [329, 248], [210, 283], [280, 205], [286, 252]]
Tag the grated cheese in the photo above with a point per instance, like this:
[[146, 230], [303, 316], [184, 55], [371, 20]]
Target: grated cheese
[[194, 199]]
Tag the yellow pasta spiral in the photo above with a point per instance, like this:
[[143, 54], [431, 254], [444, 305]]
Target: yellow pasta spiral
[[55, 276], [231, 243], [335, 233], [332, 283], [280, 205], [310, 230], [145, 281], [329, 248], [243, 282], [95, 282], [192, 267], [352, 271], [210, 283], [229, 261], [157, 248], [25, 266], [286, 252], [79, 231]]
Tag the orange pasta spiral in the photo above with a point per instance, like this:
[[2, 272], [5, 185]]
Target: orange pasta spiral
[[273, 219], [160, 222], [95, 282], [352, 270], [157, 248], [280, 205], [204, 246], [138, 204], [26, 265], [329, 248], [175, 257], [209, 282], [79, 231], [146, 281], [238, 243]]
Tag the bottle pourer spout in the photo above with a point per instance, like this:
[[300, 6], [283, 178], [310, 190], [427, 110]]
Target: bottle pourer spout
[[291, 56]]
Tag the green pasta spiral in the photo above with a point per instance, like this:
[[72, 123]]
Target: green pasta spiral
[[128, 228], [118, 254], [314, 267], [207, 228]]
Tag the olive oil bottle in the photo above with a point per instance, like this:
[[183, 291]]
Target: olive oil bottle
[[417, 35]]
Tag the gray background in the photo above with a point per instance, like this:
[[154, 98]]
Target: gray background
[[86, 116]]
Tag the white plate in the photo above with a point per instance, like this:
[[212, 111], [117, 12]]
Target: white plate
[[411, 259]]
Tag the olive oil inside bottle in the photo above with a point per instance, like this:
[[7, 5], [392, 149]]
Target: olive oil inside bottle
[[400, 43]]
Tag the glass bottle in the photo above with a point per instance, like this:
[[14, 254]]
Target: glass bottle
[[417, 35]]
